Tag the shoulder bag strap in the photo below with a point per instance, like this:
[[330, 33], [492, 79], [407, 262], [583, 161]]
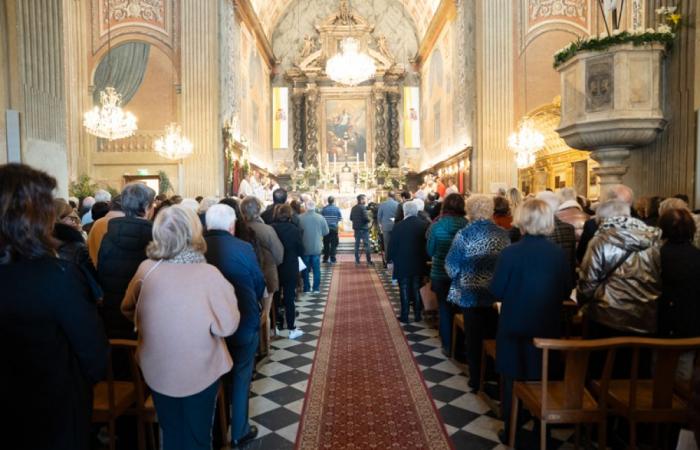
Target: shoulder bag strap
[[138, 300]]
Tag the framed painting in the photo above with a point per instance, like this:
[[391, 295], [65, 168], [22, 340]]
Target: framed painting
[[346, 130]]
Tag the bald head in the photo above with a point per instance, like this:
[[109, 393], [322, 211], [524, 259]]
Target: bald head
[[619, 192]]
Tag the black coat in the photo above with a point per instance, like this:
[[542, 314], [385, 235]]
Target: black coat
[[290, 236], [72, 248], [122, 251], [359, 217], [589, 230], [407, 248], [679, 304], [237, 262], [532, 280], [53, 348]]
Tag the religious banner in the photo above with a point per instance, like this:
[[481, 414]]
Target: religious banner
[[411, 117], [280, 121]]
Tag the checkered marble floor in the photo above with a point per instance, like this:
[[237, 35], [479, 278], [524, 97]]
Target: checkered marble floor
[[279, 385], [469, 420], [281, 380]]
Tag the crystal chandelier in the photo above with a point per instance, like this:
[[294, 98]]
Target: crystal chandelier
[[173, 145], [350, 67], [109, 121], [525, 143]]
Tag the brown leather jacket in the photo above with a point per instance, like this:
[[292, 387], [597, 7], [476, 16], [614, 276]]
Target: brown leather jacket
[[571, 213], [620, 277]]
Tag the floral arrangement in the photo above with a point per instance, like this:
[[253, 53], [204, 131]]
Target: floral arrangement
[[365, 176], [382, 171], [665, 33]]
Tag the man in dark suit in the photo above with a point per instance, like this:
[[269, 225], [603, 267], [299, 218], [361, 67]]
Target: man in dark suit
[[237, 262], [407, 250], [360, 225]]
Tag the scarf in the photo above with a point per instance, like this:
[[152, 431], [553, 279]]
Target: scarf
[[188, 256]]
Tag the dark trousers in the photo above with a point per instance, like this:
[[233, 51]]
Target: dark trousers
[[186, 422], [409, 289], [289, 296], [623, 357], [362, 236], [330, 245], [243, 353], [479, 324], [445, 310]]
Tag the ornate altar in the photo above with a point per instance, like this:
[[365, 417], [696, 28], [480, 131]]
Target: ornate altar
[[337, 126]]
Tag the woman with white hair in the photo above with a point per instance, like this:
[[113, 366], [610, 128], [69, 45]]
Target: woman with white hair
[[470, 263], [532, 280], [182, 308]]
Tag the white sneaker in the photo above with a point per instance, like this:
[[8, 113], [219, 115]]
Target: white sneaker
[[295, 333]]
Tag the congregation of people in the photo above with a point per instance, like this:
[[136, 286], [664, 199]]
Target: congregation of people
[[200, 286], [194, 283], [509, 263]]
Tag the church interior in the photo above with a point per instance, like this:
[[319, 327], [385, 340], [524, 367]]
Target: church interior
[[349, 108]]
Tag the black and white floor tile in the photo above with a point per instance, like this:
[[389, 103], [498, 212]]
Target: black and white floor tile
[[280, 381], [469, 420]]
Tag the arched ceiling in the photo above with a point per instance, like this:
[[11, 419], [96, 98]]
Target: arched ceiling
[[270, 11]]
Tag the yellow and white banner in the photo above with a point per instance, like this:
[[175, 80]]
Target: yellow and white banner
[[411, 117], [280, 119]]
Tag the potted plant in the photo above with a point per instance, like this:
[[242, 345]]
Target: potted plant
[[612, 90]]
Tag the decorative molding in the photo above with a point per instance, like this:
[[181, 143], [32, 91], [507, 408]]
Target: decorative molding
[[446, 12], [538, 17], [148, 19], [250, 19]]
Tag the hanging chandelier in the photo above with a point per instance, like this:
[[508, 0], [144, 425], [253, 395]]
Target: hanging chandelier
[[109, 121], [350, 67], [173, 145], [525, 143]]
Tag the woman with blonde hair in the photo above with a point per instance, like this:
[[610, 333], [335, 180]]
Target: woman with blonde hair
[[532, 280], [182, 308]]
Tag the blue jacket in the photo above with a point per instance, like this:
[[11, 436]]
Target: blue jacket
[[332, 215], [471, 262], [236, 260], [532, 279]]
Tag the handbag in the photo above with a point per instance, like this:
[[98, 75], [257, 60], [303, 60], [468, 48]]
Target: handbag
[[429, 298]]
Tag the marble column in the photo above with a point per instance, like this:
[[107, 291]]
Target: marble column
[[493, 162], [298, 101], [394, 128], [42, 76], [203, 171], [311, 150], [381, 148]]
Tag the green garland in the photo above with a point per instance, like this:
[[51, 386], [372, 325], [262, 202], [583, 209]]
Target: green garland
[[603, 44]]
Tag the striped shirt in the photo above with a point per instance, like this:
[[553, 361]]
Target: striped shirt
[[332, 215]]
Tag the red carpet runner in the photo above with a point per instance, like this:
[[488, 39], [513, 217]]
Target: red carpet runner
[[365, 389]]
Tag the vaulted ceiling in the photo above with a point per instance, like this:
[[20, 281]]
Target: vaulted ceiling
[[270, 11]]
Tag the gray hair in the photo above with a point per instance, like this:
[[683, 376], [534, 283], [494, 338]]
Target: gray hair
[[550, 198], [567, 194], [410, 209], [220, 217], [175, 229], [619, 192], [207, 202], [420, 204], [310, 205], [479, 207], [535, 217], [672, 203], [613, 208], [137, 198], [103, 196], [250, 208]]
